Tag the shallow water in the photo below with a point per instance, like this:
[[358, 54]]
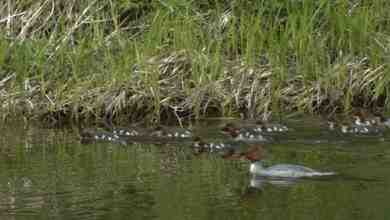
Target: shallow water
[[48, 174]]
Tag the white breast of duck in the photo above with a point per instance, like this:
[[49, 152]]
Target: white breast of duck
[[285, 171]]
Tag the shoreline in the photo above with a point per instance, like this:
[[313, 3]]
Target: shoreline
[[155, 62]]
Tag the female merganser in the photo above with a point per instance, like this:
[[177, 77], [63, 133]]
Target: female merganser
[[280, 170], [285, 170]]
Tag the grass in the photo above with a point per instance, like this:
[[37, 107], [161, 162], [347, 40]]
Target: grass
[[166, 60]]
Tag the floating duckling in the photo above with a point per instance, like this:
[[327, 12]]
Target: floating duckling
[[171, 132], [271, 127], [89, 136], [128, 132], [243, 133], [226, 149]]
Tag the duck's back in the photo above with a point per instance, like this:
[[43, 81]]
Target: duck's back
[[291, 167], [292, 171]]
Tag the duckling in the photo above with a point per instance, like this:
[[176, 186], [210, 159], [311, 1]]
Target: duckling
[[227, 150], [243, 134], [359, 129], [128, 132], [171, 132], [89, 136], [271, 127]]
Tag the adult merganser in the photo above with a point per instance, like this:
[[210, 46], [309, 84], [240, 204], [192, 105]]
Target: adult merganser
[[280, 170], [285, 170]]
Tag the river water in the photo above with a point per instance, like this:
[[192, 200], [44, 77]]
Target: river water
[[48, 174]]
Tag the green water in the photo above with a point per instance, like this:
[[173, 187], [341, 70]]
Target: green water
[[48, 174]]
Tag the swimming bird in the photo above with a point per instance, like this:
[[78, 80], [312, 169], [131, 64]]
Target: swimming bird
[[280, 170], [232, 150], [171, 132], [243, 133], [360, 129], [271, 127], [89, 136]]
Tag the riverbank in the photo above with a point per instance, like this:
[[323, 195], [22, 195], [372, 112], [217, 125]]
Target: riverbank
[[183, 60]]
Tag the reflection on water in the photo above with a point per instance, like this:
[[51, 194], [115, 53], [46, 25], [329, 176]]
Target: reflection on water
[[48, 174], [259, 181]]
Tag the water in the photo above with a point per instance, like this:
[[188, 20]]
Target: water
[[48, 174]]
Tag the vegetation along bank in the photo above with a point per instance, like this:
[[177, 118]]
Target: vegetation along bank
[[166, 60]]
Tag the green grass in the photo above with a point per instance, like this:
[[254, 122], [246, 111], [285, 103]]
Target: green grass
[[162, 60]]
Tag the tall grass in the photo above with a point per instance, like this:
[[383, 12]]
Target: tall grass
[[161, 60]]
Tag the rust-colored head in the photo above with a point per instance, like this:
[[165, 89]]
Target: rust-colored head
[[254, 153], [230, 129]]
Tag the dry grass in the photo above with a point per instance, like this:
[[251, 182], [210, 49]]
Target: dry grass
[[67, 60]]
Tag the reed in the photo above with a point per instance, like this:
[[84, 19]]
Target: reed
[[167, 60]]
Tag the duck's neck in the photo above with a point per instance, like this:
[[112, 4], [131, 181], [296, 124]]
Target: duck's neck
[[257, 165]]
